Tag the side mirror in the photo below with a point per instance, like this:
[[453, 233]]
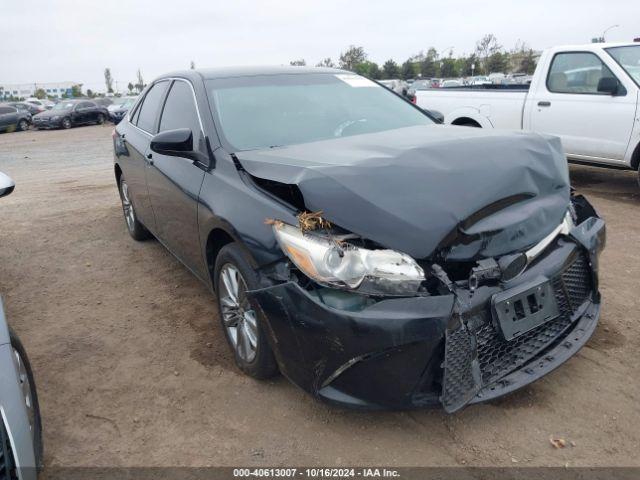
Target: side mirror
[[175, 143], [6, 185], [609, 85]]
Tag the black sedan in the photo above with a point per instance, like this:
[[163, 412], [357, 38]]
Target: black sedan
[[376, 258], [13, 119], [70, 113]]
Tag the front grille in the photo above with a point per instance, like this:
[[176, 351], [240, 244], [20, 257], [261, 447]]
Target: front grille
[[497, 357], [7, 467]]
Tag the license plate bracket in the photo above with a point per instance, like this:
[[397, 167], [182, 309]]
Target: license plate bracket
[[523, 308]]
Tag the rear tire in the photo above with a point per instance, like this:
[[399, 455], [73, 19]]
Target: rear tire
[[242, 319], [136, 229], [23, 125], [66, 123], [27, 381]]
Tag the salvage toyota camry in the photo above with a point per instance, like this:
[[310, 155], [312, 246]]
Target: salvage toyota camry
[[374, 257]]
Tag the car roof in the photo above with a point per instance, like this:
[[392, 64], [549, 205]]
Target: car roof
[[230, 72]]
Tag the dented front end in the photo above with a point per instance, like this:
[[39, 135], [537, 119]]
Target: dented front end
[[473, 330]]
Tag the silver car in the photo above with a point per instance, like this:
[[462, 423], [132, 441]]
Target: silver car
[[20, 424]]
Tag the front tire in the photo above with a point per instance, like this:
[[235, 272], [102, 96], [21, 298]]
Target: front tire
[[100, 119], [243, 322], [136, 229], [23, 125], [66, 123], [30, 395]]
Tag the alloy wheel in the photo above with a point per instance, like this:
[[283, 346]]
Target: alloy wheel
[[127, 206], [25, 387], [66, 123], [239, 317]]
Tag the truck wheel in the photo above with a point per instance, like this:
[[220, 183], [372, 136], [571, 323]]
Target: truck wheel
[[243, 322], [29, 394]]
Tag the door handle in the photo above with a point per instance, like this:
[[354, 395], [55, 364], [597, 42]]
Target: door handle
[[544, 104], [150, 158]]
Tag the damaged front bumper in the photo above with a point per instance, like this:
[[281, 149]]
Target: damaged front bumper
[[441, 349]]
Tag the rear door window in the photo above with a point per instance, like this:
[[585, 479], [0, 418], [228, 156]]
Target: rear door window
[[148, 117]]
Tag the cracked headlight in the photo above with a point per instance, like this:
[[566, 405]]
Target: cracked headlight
[[342, 265]]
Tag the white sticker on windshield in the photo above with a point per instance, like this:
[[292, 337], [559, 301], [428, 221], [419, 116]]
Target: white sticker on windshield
[[356, 80]]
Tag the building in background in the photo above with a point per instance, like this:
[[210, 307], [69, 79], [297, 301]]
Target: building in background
[[26, 90]]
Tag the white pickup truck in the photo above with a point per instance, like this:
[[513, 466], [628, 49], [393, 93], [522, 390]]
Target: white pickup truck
[[587, 95]]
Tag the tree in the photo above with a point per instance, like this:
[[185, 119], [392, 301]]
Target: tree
[[76, 90], [408, 70], [367, 69], [485, 47], [448, 68], [40, 94], [327, 62], [390, 69], [352, 57], [130, 87], [298, 63], [108, 80], [192, 65], [498, 62], [140, 84], [428, 66], [522, 58]]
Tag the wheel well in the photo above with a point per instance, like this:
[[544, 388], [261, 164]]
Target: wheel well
[[466, 122], [635, 158], [118, 173], [217, 239]]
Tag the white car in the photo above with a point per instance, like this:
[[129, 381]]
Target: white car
[[587, 95]]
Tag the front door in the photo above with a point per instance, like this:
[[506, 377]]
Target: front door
[[174, 182], [590, 123]]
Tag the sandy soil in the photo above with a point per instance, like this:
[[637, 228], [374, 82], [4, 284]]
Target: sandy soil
[[132, 367]]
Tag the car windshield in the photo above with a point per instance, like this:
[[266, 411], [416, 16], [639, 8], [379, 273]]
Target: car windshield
[[629, 59], [63, 106], [278, 110]]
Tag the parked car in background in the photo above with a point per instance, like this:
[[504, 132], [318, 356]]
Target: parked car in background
[[46, 104], [588, 95], [20, 422], [71, 113], [120, 106], [29, 107], [368, 253], [13, 119], [102, 101], [451, 83]]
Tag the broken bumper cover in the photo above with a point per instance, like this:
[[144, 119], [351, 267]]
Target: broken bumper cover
[[419, 351]]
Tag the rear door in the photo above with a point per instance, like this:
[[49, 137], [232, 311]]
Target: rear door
[[136, 137], [8, 117], [591, 124], [174, 182]]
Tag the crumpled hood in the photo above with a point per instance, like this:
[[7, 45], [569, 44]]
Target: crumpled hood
[[461, 192]]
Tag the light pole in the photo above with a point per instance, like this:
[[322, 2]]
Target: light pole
[[606, 30]]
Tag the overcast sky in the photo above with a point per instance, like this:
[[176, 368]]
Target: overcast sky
[[66, 40]]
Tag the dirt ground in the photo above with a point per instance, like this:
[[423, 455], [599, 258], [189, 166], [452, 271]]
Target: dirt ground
[[133, 370]]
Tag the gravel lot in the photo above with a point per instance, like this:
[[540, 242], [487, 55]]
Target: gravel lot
[[132, 367]]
